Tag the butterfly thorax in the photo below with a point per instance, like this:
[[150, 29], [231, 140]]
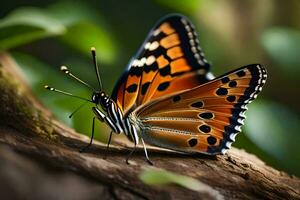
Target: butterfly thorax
[[113, 116]]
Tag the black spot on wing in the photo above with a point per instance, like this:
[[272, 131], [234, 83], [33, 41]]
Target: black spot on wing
[[145, 87], [231, 98], [232, 84], [157, 52], [136, 71], [206, 115], [211, 140], [193, 142], [132, 88], [241, 73], [198, 104], [165, 70], [225, 80], [163, 86], [222, 91], [205, 128], [176, 98], [153, 67]]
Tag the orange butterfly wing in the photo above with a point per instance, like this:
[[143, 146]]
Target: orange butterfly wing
[[170, 51], [203, 119]]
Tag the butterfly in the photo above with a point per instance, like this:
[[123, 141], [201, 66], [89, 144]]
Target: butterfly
[[167, 96]]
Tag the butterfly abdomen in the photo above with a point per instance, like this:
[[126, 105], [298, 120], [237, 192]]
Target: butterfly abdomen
[[120, 122]]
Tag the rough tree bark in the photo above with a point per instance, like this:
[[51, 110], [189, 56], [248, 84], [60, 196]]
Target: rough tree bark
[[39, 159]]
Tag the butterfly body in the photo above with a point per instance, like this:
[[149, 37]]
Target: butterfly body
[[173, 99], [168, 97], [113, 116]]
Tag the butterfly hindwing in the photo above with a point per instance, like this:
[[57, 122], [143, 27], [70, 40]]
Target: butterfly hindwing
[[170, 50], [205, 118]]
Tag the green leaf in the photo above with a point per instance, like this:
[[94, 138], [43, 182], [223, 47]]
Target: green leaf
[[84, 35], [72, 12], [283, 46], [86, 29], [27, 24], [187, 6], [275, 129], [75, 21], [162, 177]]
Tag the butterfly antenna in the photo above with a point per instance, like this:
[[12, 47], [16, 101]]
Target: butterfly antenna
[[68, 72], [77, 109], [93, 50], [65, 93]]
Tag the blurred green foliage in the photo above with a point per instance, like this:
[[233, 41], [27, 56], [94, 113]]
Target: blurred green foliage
[[44, 35], [283, 46], [25, 25], [283, 145]]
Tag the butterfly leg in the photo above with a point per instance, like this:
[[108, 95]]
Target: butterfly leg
[[130, 154], [146, 153], [107, 147], [92, 137], [135, 138]]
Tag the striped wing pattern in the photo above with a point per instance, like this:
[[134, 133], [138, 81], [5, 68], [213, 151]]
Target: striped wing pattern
[[205, 118], [171, 50]]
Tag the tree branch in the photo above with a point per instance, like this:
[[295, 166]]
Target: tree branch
[[30, 129]]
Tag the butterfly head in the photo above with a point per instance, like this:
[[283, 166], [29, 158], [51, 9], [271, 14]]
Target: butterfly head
[[100, 98]]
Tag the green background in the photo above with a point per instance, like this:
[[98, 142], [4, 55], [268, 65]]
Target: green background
[[43, 35]]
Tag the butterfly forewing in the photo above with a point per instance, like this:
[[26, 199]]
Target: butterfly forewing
[[170, 50], [205, 118]]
